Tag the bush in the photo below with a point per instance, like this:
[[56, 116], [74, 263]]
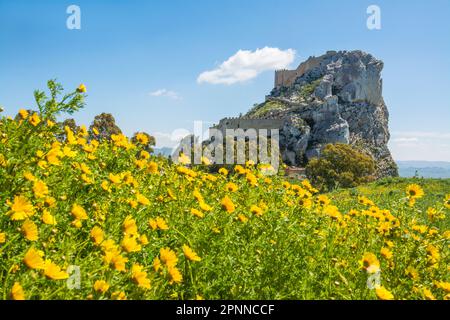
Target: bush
[[340, 165]]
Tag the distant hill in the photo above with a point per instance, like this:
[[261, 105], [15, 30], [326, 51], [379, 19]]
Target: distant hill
[[164, 151], [426, 169]]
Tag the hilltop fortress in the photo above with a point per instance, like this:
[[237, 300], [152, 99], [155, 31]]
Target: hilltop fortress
[[333, 98]]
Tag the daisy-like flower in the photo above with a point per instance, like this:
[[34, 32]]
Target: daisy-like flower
[[197, 213], [323, 200], [414, 191], [23, 113], [256, 210], [17, 292], [161, 223], [156, 264], [142, 199], [383, 293], [223, 171], [190, 254], [34, 119], [412, 272], [184, 159], [139, 276], [242, 218], [21, 208], [231, 187], [48, 218], [447, 201], [168, 257], [129, 226], [40, 189], [53, 271], [370, 263], [228, 205], [118, 295], [81, 88], [152, 167], [204, 206], [175, 274], [115, 178], [142, 138], [129, 244], [78, 212], [33, 259], [428, 294], [143, 240], [30, 230], [97, 235], [101, 286], [387, 253]]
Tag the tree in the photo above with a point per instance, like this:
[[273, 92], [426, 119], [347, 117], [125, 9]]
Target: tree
[[103, 126], [340, 165]]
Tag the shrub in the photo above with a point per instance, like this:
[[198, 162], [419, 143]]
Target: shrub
[[340, 165]]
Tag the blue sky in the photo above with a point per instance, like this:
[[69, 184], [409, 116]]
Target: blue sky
[[127, 50]]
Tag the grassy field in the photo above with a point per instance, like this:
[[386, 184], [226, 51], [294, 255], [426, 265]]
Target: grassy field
[[87, 219]]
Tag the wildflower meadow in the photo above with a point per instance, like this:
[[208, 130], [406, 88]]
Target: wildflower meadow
[[89, 218]]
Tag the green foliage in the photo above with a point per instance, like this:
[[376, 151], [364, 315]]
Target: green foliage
[[308, 89], [265, 107], [50, 107], [340, 165]]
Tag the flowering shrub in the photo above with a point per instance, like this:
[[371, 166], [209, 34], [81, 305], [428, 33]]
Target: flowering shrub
[[138, 227]]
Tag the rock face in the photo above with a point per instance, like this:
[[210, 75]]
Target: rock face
[[336, 98]]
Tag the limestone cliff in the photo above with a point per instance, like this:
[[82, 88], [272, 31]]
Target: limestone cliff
[[336, 97]]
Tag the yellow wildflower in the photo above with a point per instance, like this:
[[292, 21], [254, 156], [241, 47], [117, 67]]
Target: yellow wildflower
[[129, 226], [139, 276], [370, 263], [81, 88], [190, 254], [23, 113], [30, 230], [34, 119], [97, 235], [197, 213], [78, 212], [383, 293], [53, 271], [33, 259], [21, 208], [168, 257], [228, 205], [17, 292], [414, 191], [386, 252], [101, 286], [175, 274], [48, 218]]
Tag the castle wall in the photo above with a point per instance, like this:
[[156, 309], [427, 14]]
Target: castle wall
[[286, 78]]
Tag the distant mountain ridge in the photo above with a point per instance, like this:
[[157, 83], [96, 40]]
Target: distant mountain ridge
[[426, 169]]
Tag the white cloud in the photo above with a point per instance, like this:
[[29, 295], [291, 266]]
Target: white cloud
[[170, 140], [245, 65], [166, 93]]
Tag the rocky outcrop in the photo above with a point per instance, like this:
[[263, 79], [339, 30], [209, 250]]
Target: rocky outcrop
[[337, 98]]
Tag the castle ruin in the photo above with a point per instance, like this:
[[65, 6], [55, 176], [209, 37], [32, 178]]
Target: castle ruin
[[286, 78]]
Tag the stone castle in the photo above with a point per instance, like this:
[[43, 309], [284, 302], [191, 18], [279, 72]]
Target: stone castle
[[333, 98], [286, 78]]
